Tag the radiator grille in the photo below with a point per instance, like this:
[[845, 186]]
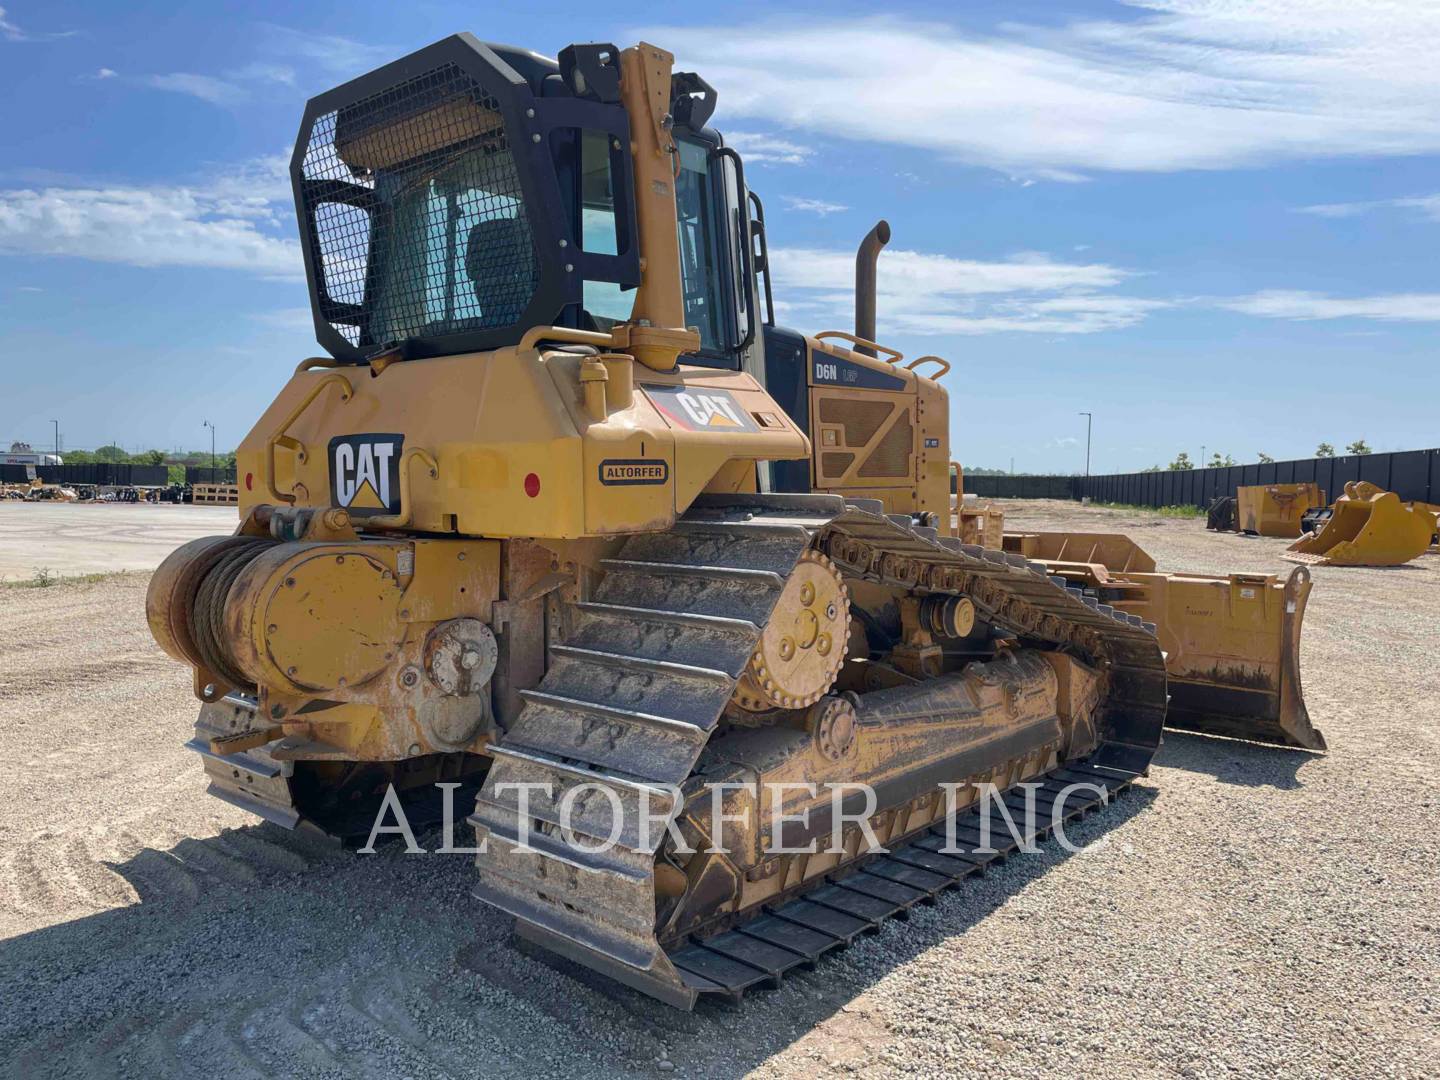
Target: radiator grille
[[892, 457], [833, 466], [860, 419], [419, 226]]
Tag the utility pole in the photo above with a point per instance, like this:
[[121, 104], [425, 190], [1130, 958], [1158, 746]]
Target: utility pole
[[1012, 466], [57, 437], [1202, 456], [211, 426], [1088, 421]]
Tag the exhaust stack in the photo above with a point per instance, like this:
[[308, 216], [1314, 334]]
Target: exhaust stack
[[865, 260]]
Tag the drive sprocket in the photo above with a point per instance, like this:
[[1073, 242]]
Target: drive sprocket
[[803, 645]]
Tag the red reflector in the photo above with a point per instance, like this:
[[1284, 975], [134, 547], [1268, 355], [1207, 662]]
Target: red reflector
[[532, 485], [249, 481]]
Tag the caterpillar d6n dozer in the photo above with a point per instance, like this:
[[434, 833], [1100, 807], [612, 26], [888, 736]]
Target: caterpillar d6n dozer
[[565, 522]]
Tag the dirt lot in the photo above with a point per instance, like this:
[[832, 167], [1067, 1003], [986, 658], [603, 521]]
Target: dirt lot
[[96, 538], [1253, 911]]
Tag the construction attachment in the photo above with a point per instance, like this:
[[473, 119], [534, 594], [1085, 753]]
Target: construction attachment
[[1368, 526], [1275, 509], [1232, 642]]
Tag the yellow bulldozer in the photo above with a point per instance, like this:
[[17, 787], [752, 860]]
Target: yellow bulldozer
[[564, 531]]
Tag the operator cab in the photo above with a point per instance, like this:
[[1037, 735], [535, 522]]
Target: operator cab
[[453, 200]]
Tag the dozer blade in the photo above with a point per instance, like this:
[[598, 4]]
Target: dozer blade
[[1368, 527], [1232, 643]]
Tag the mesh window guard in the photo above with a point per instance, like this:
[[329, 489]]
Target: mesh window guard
[[418, 224]]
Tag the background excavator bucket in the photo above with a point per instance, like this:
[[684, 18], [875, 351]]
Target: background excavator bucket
[[1368, 526], [1275, 509], [1232, 643]]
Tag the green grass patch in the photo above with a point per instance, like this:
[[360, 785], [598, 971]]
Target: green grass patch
[[45, 578], [1163, 511]]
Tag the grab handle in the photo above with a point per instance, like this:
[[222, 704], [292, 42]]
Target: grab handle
[[279, 438]]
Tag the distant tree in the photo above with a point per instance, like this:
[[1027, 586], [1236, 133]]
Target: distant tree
[[112, 454], [176, 474], [150, 457], [1266, 459], [78, 457], [1182, 461], [1359, 446], [1153, 468], [1325, 450], [1217, 462]]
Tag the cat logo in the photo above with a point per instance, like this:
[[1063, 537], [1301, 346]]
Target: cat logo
[[696, 408], [365, 473]]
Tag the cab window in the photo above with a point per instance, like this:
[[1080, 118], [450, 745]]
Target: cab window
[[703, 267], [606, 303]]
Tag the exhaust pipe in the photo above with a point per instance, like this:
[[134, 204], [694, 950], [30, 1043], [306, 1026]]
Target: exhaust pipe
[[865, 260]]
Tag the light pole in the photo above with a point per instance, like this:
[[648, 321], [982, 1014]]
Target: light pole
[[1202, 456], [211, 426], [1088, 421], [57, 438]]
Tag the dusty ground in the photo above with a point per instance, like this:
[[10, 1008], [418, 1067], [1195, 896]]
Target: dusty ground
[[97, 538], [1253, 912]]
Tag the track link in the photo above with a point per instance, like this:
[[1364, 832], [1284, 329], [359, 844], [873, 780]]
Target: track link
[[640, 682]]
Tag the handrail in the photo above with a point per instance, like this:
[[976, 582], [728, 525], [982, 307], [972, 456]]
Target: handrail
[[742, 226], [316, 362], [401, 519], [898, 356], [537, 334], [279, 438], [944, 364]]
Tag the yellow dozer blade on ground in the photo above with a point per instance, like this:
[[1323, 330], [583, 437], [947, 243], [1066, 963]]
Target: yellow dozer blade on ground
[[1232, 642], [1368, 527]]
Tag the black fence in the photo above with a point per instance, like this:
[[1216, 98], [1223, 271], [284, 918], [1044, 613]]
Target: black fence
[[1411, 474], [1020, 487], [197, 474], [100, 474]]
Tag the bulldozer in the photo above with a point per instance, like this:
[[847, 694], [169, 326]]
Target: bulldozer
[[564, 528]]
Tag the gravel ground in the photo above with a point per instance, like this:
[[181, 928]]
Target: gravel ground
[[98, 538], [1251, 911]]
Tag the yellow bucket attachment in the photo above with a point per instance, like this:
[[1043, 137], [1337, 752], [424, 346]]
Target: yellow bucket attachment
[[1368, 526], [1232, 643], [1276, 509]]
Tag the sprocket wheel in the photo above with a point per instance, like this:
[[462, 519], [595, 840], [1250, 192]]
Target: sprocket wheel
[[803, 645]]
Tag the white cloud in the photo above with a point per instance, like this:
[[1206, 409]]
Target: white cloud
[[152, 226], [289, 319], [10, 32], [1183, 84], [1305, 306], [1428, 205], [925, 295], [106, 73], [205, 87], [329, 52], [814, 206], [759, 149]]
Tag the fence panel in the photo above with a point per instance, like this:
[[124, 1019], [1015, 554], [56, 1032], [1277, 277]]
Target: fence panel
[[1412, 474]]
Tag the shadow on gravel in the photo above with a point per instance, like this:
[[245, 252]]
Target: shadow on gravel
[[768, 1020], [1234, 762], [255, 952]]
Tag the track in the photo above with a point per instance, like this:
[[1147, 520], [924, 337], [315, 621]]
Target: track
[[638, 686]]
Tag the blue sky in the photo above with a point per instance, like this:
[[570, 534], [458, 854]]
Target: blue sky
[[1209, 222]]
